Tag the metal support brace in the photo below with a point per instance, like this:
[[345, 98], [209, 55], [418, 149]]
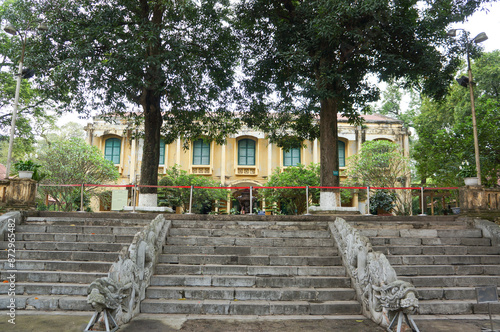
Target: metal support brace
[[108, 318], [409, 321], [134, 195], [368, 200], [81, 198]]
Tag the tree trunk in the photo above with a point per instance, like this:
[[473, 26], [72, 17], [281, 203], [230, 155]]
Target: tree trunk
[[151, 151], [329, 152]]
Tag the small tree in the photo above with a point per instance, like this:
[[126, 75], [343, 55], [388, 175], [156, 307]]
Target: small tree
[[292, 200], [203, 199], [73, 161], [381, 164]]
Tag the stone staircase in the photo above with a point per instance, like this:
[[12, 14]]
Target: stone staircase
[[244, 267], [445, 259], [57, 259]]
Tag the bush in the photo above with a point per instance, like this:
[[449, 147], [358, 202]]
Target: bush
[[203, 199]]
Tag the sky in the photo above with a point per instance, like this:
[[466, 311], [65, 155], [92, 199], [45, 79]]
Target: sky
[[487, 21]]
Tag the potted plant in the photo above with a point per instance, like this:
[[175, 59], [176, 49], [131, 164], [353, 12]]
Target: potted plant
[[467, 171], [26, 168]]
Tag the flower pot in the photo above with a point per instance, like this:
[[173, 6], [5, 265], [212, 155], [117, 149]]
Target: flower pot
[[25, 174], [471, 181]]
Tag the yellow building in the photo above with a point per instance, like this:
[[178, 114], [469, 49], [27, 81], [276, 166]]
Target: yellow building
[[247, 158]]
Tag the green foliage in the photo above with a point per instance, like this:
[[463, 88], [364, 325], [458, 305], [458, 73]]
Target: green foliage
[[383, 200], [27, 165], [381, 164], [73, 161], [445, 133], [292, 200], [203, 199], [173, 59]]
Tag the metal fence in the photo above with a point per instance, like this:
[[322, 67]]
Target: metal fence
[[424, 200]]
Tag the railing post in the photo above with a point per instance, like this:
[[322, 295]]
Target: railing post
[[251, 201], [423, 202], [190, 200], [81, 198], [134, 196], [368, 200], [307, 202]]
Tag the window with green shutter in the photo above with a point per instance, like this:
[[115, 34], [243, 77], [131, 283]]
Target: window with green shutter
[[341, 148], [201, 153], [112, 150], [162, 152], [291, 157], [246, 152]]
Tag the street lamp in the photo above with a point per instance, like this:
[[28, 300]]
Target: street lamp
[[467, 81], [20, 75]]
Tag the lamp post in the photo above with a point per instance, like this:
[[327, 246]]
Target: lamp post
[[20, 75], [467, 81]]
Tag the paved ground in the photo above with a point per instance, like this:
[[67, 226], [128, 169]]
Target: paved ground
[[41, 322]]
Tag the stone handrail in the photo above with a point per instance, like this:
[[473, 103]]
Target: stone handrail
[[377, 287], [9, 218], [129, 276]]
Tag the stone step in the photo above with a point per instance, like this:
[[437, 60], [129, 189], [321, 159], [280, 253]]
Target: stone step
[[54, 276], [250, 270], [456, 307], [423, 233], [452, 281], [249, 224], [248, 294], [447, 293], [251, 251], [379, 241], [123, 220], [251, 281], [66, 246], [250, 233], [250, 260], [79, 229], [261, 242], [437, 250], [443, 259], [46, 288], [50, 265], [95, 256], [73, 237], [48, 302], [446, 270], [227, 307]]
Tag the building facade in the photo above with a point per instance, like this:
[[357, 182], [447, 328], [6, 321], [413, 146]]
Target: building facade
[[246, 159]]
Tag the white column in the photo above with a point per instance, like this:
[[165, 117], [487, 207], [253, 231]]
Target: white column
[[269, 159], [178, 152], [315, 151], [223, 164]]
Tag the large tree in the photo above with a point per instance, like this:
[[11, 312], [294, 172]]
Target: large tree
[[310, 58], [173, 59], [445, 136]]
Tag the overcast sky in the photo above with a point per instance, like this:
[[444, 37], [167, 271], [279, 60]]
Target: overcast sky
[[487, 21]]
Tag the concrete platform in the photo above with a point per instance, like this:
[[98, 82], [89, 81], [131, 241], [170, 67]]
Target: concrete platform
[[31, 321]]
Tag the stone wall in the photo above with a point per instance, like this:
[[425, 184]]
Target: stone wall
[[378, 289], [18, 193], [125, 287], [477, 199]]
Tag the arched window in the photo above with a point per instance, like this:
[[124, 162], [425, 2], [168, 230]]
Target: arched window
[[201, 153], [341, 148], [162, 152], [291, 157], [246, 152], [112, 150]]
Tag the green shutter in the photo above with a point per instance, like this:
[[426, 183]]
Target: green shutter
[[201, 153], [246, 152], [162, 152], [112, 150], [341, 149]]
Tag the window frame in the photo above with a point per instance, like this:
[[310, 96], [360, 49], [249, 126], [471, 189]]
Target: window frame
[[292, 157], [204, 147], [246, 140], [111, 157]]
